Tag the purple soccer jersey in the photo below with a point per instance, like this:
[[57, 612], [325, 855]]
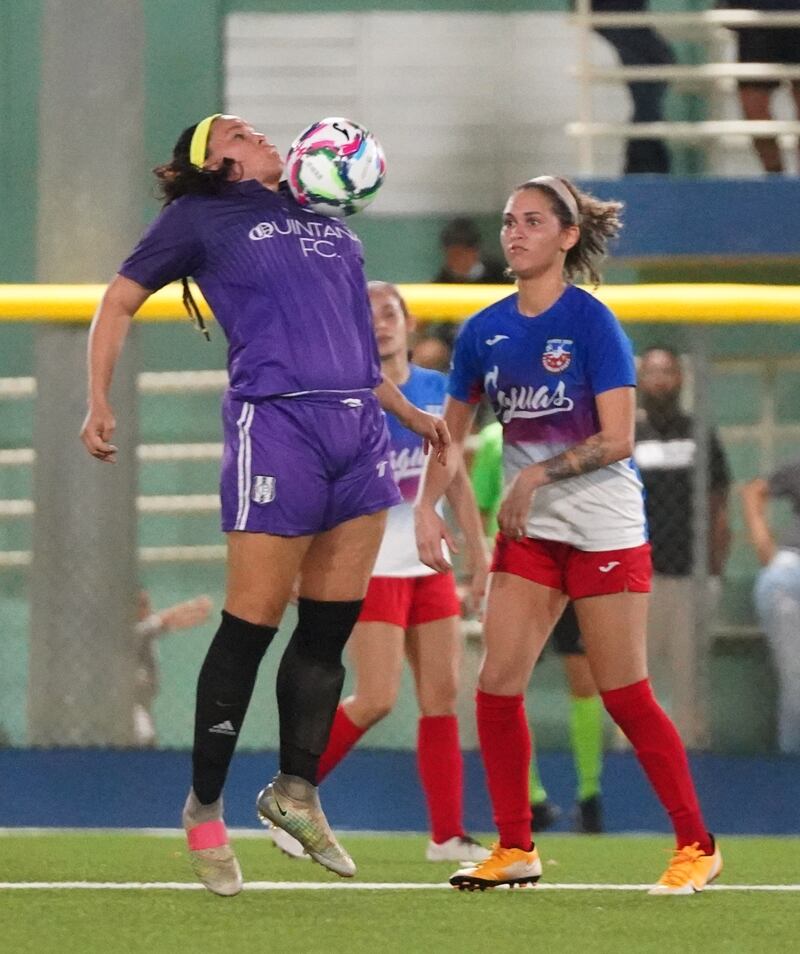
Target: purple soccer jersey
[[286, 285]]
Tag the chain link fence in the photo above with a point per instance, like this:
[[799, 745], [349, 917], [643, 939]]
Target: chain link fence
[[736, 418]]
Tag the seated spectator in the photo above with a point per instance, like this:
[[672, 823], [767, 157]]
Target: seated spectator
[[464, 262], [766, 45]]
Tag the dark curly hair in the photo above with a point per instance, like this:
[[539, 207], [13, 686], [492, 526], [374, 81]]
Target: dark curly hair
[[179, 177], [599, 223]]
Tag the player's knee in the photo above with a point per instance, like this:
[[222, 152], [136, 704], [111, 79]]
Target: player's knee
[[501, 679], [323, 628], [439, 699], [256, 609], [375, 708]]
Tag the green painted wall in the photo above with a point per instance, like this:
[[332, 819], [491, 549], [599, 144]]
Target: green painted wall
[[19, 73], [183, 72]]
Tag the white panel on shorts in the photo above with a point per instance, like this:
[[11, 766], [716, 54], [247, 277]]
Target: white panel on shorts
[[244, 464]]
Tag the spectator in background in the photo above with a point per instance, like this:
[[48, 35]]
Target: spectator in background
[[150, 626], [464, 261], [432, 351], [640, 46], [777, 591], [665, 454], [766, 45]]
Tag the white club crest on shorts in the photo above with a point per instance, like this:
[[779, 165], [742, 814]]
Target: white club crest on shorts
[[263, 491]]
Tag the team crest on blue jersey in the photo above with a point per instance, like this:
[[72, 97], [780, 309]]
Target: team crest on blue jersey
[[263, 489], [557, 354]]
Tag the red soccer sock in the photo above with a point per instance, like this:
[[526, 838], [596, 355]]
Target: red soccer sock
[[662, 756], [441, 771], [506, 749], [344, 735]]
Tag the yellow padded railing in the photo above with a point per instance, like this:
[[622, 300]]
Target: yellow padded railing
[[690, 303]]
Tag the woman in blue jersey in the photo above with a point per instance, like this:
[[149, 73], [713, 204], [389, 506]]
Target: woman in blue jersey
[[305, 481], [410, 612], [559, 372]]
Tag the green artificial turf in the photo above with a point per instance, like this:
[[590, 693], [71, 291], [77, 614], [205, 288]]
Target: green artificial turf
[[388, 921]]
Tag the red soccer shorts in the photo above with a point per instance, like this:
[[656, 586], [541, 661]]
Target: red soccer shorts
[[410, 600], [578, 573]]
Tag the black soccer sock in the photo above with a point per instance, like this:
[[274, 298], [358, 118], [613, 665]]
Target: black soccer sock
[[309, 684], [224, 688]]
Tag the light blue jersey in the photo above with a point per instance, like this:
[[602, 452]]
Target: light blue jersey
[[398, 554]]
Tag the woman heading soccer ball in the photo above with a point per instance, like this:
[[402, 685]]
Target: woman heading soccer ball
[[305, 479], [559, 373]]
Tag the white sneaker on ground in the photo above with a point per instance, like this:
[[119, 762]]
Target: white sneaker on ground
[[457, 848]]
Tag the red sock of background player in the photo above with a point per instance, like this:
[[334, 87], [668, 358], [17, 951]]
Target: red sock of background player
[[506, 749], [344, 735], [662, 756], [441, 771]]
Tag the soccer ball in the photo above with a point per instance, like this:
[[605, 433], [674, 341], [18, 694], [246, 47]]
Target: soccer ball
[[335, 167]]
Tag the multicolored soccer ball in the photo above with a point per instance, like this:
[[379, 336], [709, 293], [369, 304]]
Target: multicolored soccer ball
[[335, 167]]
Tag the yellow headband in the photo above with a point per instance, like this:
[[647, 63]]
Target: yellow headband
[[197, 147]]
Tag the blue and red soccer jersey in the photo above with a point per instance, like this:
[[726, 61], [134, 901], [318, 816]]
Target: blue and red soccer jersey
[[542, 376]]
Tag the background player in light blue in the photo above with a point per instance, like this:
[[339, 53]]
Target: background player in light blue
[[559, 373]]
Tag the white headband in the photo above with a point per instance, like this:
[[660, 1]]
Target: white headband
[[551, 182]]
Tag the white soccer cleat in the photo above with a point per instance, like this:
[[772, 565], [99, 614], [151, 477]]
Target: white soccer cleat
[[458, 848]]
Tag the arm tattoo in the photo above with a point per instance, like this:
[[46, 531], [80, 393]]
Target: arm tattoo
[[585, 457]]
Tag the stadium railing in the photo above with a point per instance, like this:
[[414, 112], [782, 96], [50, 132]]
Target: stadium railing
[[713, 78]]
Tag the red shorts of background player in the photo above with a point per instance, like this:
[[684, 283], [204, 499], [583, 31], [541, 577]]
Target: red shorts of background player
[[410, 600], [578, 573]]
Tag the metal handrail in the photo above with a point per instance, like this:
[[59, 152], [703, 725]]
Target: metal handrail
[[696, 73], [703, 24], [710, 18], [687, 131]]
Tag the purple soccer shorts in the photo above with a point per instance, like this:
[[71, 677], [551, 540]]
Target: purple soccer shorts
[[293, 466]]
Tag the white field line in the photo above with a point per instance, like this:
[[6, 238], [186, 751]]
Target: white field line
[[341, 886], [254, 832]]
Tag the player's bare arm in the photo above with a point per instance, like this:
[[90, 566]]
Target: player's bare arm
[[110, 325], [755, 500], [614, 441], [461, 498], [429, 526], [431, 428]]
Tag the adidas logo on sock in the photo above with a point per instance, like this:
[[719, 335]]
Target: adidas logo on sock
[[223, 728]]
